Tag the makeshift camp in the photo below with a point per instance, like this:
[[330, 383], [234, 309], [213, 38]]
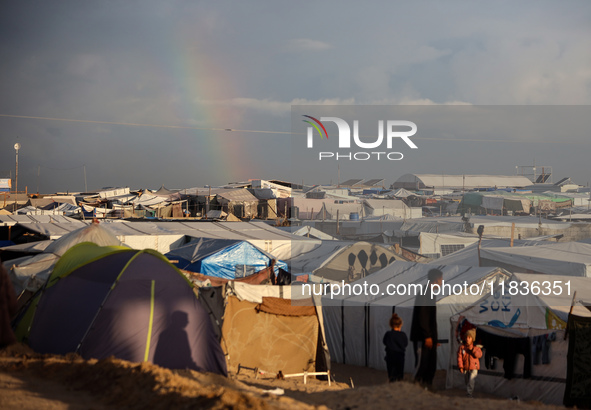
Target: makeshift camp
[[521, 327], [342, 260], [223, 258], [114, 301], [356, 320], [273, 329]]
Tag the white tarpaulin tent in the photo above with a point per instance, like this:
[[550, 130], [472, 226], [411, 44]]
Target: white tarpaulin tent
[[355, 325], [517, 316], [335, 260], [568, 258], [31, 272], [468, 256], [443, 244]]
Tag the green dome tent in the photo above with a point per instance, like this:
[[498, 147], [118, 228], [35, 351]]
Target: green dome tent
[[116, 301]]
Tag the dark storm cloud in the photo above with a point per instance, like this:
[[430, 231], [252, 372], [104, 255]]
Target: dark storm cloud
[[241, 65]]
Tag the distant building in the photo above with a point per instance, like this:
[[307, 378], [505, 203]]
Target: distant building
[[440, 183]]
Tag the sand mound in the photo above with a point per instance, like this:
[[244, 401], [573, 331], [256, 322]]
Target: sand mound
[[33, 381], [140, 385]]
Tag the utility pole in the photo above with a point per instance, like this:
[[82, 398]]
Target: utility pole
[[17, 146], [85, 187]]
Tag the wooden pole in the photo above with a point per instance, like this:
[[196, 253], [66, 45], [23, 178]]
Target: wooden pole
[[479, 241], [512, 233], [572, 305]]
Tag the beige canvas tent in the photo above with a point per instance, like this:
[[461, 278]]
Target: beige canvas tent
[[265, 328]]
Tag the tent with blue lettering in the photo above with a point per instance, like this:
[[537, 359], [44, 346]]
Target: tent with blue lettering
[[222, 258], [355, 322], [103, 301], [533, 306]]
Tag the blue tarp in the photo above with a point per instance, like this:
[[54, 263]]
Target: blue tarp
[[222, 258]]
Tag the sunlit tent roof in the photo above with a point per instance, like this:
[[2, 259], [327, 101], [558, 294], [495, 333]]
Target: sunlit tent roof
[[568, 258], [239, 195], [337, 260], [163, 191], [311, 232], [164, 236], [149, 200]]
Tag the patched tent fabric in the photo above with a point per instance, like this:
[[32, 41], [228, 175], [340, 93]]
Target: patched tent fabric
[[255, 338], [114, 301], [285, 307]]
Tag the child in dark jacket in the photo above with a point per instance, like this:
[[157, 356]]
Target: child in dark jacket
[[469, 360], [395, 342]]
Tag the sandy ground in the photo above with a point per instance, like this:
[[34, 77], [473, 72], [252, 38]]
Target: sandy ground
[[31, 381]]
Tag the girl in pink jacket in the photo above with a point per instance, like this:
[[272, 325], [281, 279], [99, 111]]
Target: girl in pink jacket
[[469, 360]]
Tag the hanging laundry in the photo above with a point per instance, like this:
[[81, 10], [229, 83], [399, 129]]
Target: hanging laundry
[[542, 347], [506, 348]]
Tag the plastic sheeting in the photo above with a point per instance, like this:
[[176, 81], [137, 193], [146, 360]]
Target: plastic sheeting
[[222, 258]]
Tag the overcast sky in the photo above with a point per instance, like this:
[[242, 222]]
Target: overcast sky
[[184, 71]]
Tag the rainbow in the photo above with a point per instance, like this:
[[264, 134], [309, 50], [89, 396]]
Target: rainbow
[[201, 87]]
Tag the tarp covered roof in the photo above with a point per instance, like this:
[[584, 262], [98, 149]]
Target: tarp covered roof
[[222, 258], [239, 195]]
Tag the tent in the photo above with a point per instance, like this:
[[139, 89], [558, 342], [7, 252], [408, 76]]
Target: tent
[[31, 272], [356, 320], [468, 256], [519, 318], [224, 258], [273, 328], [340, 260], [131, 304], [568, 258]]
